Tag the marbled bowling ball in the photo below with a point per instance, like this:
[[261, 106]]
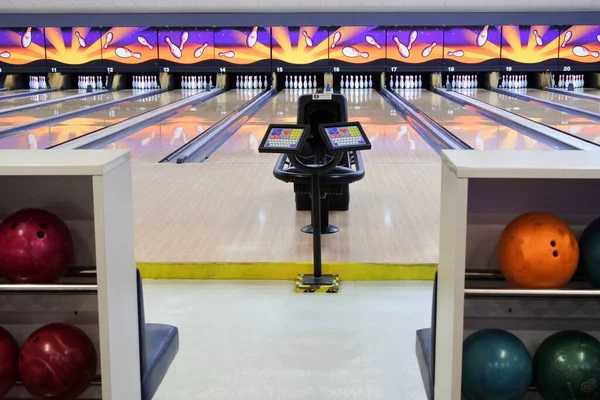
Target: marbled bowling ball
[[538, 250], [9, 355], [57, 361], [496, 366], [567, 367], [35, 247]]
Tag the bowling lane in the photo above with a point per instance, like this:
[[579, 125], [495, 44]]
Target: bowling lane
[[46, 136], [38, 98], [243, 145], [577, 126], [17, 91], [584, 104], [391, 136], [36, 114], [477, 131], [153, 143]]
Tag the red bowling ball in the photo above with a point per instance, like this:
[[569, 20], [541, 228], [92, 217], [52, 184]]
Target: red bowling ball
[[58, 361], [9, 355], [35, 247]]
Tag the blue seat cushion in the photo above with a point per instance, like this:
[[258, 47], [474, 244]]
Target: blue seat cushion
[[161, 344], [424, 358]]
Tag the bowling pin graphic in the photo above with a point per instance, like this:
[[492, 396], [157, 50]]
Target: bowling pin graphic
[[80, 39], [427, 50], [336, 39], [598, 38], [26, 38], [185, 35], [538, 38], [457, 53], [411, 39], [175, 51], [252, 37], [142, 40], [582, 51], [200, 50], [109, 39], [568, 36], [371, 40], [307, 39], [482, 37], [402, 49], [124, 52], [5, 54], [351, 52], [227, 54]]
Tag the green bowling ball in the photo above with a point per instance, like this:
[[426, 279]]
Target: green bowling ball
[[567, 367], [589, 253]]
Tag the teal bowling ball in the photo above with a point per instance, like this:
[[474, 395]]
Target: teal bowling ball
[[589, 253], [567, 367], [496, 366]]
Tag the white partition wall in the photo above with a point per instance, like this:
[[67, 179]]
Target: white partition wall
[[481, 193], [91, 191]]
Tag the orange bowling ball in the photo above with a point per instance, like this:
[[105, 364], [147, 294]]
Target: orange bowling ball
[[538, 250]]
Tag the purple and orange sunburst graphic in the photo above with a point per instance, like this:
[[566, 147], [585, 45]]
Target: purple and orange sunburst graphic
[[74, 46], [530, 44], [357, 44], [22, 46], [300, 45], [472, 45]]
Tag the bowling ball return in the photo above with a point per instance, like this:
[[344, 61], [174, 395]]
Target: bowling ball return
[[328, 144], [315, 109]]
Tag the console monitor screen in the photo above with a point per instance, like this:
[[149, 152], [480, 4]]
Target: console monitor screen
[[345, 136], [284, 138]]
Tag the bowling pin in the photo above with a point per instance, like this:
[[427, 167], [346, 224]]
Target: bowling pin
[[210, 84], [252, 37], [391, 82], [80, 39], [371, 40], [123, 52], [400, 82], [108, 40], [582, 51], [255, 85], [175, 51], [538, 38], [307, 39], [99, 82], [93, 84], [237, 82], [411, 39], [370, 81], [287, 83], [402, 49], [352, 52], [198, 52], [338, 36], [142, 40], [266, 82], [567, 38], [295, 82], [227, 54], [5, 54], [457, 53], [351, 82], [26, 38], [427, 50], [482, 37], [309, 82], [342, 82], [420, 84]]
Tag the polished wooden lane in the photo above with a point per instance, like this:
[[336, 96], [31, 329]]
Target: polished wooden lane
[[46, 136], [38, 98], [568, 123], [477, 131], [237, 212], [155, 142]]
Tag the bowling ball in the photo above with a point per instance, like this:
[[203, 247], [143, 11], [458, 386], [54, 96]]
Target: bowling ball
[[538, 250], [35, 247], [567, 366], [496, 366], [589, 253], [57, 361], [9, 354]]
